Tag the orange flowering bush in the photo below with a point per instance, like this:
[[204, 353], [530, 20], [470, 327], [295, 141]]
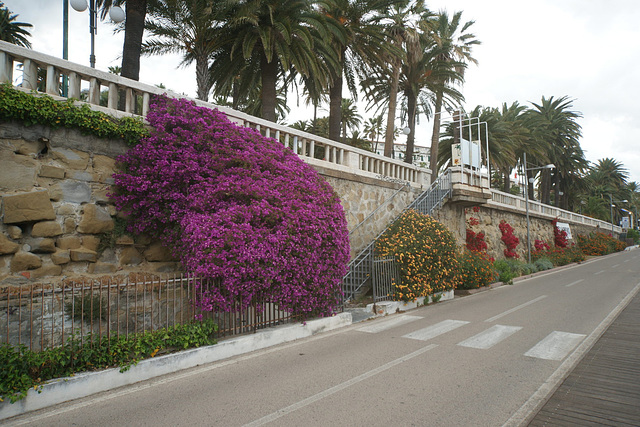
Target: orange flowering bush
[[426, 253], [599, 244], [475, 270]]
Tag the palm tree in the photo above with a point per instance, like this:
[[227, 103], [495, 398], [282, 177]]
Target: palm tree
[[400, 15], [455, 45], [555, 125], [11, 31], [360, 41], [277, 38], [189, 27], [373, 129], [134, 24], [350, 117]]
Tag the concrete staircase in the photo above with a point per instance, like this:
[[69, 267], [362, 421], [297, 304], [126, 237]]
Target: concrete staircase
[[357, 281]]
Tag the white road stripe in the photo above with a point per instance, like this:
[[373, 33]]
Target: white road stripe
[[600, 272], [435, 330], [615, 266], [492, 336], [375, 327], [574, 283], [494, 318], [328, 392], [555, 346]]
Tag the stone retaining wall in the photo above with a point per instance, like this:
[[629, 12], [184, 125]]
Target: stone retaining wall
[[57, 219], [455, 218]]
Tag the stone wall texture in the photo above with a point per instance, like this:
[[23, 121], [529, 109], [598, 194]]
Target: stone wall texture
[[57, 219]]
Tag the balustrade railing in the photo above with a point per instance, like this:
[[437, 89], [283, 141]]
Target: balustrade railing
[[39, 73], [519, 203]]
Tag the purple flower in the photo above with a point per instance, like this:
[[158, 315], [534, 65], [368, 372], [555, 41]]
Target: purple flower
[[235, 207]]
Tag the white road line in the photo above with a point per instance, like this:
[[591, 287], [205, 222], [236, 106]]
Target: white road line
[[492, 336], [376, 327], [494, 318], [574, 283], [615, 266], [555, 346], [328, 392], [435, 330], [600, 272]]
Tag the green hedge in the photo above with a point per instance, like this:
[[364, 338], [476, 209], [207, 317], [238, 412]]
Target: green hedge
[[31, 109], [23, 369]]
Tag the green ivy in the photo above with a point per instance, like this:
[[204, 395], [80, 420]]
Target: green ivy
[[31, 109], [23, 369]]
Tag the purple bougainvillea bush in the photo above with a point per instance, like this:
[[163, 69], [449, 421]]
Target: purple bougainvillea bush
[[236, 207]]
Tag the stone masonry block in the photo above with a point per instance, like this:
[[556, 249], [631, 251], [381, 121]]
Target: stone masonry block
[[83, 254], [46, 229], [7, 246], [95, 220], [26, 207], [23, 261], [47, 171]]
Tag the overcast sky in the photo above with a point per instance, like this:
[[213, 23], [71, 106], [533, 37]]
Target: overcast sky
[[588, 50]]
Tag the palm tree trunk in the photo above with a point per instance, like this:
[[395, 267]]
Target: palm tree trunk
[[391, 113], [335, 108], [136, 11], [435, 136], [411, 112], [269, 74], [202, 78]]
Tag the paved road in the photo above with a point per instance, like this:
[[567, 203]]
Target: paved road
[[482, 360]]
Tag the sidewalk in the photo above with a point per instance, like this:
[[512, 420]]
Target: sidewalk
[[604, 388]]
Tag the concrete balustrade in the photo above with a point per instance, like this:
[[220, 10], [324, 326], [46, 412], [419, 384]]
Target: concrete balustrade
[[311, 148], [501, 199]]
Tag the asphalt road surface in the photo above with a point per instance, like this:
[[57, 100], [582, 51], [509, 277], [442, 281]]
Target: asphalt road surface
[[488, 359]]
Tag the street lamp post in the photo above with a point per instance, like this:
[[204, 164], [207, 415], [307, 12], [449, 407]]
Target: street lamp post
[[115, 13], [526, 192], [611, 201]]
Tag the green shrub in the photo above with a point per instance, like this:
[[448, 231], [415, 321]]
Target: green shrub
[[507, 269], [543, 264], [42, 109], [560, 256], [426, 254], [23, 369], [475, 270], [635, 235], [528, 269]]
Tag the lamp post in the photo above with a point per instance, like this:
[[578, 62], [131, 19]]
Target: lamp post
[[526, 192], [115, 13], [611, 201], [630, 214]]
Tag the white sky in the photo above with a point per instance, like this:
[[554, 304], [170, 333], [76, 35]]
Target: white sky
[[586, 49]]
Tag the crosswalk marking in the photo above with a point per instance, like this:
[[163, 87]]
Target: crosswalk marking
[[388, 324], [491, 319], [574, 283], [435, 330], [555, 346], [492, 336]]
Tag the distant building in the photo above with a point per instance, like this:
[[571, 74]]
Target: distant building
[[420, 154]]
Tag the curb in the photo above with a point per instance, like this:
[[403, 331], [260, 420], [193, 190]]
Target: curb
[[385, 308], [88, 383]]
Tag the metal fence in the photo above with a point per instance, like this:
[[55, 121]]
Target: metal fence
[[42, 316], [386, 275]]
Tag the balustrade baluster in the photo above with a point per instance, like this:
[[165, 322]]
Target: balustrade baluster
[[112, 101], [52, 86], [6, 68], [30, 75]]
